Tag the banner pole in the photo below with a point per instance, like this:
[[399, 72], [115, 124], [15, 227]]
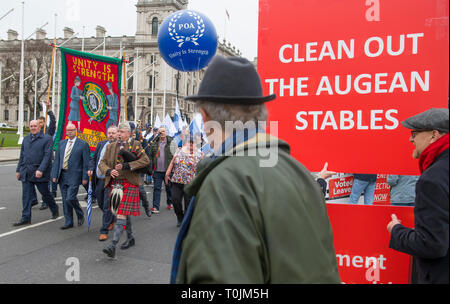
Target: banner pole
[[50, 84], [124, 66]]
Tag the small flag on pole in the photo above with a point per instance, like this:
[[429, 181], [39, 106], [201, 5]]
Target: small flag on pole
[[89, 203], [228, 15]]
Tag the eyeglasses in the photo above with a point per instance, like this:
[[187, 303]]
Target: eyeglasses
[[415, 132]]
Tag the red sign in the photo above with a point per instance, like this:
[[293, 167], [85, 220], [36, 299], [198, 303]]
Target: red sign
[[361, 243], [340, 187], [382, 194], [347, 73]]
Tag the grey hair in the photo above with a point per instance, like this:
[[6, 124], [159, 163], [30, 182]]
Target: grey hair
[[111, 127], [222, 113], [124, 126]]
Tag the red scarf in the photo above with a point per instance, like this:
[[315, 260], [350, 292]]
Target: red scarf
[[431, 152]]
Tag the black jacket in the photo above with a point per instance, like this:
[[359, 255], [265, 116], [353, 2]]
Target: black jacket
[[428, 241]]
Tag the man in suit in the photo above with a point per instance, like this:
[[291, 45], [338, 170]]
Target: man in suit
[[70, 170], [33, 169], [427, 242], [101, 192], [50, 130]]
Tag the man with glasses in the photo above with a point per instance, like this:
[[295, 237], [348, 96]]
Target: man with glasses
[[428, 241], [70, 170]]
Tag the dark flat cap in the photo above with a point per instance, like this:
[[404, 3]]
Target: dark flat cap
[[432, 119], [231, 80]]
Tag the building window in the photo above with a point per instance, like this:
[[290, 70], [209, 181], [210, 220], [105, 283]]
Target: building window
[[130, 83], [155, 26], [25, 115], [187, 89], [6, 100], [6, 115], [149, 102], [151, 83]]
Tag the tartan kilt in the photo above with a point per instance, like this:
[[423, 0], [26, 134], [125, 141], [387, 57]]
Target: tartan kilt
[[130, 200]]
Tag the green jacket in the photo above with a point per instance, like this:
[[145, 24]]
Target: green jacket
[[254, 224], [169, 149]]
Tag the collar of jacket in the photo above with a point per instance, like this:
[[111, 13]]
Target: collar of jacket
[[207, 164]]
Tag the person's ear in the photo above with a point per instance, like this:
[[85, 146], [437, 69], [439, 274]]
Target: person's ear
[[205, 115]]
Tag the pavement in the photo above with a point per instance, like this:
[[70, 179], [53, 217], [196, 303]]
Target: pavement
[[9, 154], [43, 253]]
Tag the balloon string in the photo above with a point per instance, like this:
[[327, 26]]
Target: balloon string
[[182, 65]]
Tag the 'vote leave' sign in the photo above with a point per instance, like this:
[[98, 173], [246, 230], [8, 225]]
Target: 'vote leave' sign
[[347, 73]]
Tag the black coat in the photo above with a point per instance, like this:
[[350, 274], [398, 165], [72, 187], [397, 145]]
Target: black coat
[[428, 241]]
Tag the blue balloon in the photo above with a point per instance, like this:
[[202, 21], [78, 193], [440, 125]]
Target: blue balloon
[[187, 40]]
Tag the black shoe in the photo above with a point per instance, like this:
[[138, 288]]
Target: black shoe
[[80, 221], [34, 203], [43, 207], [110, 251], [66, 227], [148, 212], [55, 215], [127, 244], [178, 223], [54, 194], [21, 223]]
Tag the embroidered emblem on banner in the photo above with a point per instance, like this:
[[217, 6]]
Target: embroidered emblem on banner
[[94, 102]]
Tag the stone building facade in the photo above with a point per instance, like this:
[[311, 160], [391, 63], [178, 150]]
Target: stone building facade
[[156, 82]]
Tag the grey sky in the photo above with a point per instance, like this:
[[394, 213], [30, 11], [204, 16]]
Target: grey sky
[[119, 18]]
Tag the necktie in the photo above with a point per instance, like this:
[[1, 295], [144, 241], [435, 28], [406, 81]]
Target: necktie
[[66, 157]]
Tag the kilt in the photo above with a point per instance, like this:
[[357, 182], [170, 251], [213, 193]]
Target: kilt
[[130, 200]]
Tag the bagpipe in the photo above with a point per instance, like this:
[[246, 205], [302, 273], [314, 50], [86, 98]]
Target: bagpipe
[[125, 156]]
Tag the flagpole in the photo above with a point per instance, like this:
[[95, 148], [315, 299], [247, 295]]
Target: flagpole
[[50, 82], [124, 66], [35, 91], [136, 73], [53, 75], [82, 41], [164, 94], [21, 97], [153, 88]]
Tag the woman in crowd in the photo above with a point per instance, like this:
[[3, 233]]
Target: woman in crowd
[[183, 166]]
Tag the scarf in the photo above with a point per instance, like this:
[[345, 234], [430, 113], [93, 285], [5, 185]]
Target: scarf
[[432, 151]]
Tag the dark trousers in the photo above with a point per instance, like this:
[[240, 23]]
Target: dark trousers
[[70, 201], [158, 180], [102, 195], [27, 198], [51, 186], [178, 195]]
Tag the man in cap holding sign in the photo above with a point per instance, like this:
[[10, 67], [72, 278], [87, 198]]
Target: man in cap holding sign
[[254, 219], [428, 241]]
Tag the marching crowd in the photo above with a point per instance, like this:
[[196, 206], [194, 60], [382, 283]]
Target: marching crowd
[[244, 219], [154, 156]]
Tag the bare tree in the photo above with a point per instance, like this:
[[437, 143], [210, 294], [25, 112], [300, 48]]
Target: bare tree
[[37, 57]]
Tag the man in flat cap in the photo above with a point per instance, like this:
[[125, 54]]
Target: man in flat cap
[[428, 241], [257, 215]]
